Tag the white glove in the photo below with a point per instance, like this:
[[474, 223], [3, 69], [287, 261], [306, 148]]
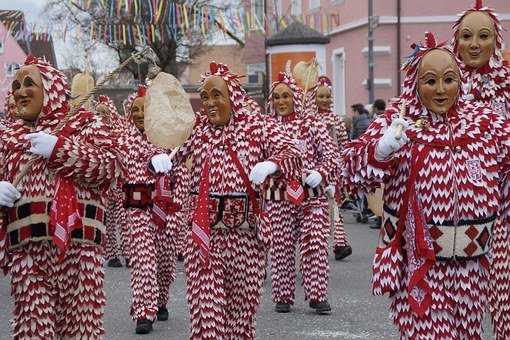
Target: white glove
[[330, 191], [313, 179], [161, 163], [8, 194], [42, 143], [261, 170], [388, 144]]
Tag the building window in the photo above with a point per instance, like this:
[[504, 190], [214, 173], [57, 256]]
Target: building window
[[11, 69], [314, 4], [1, 47], [255, 73], [296, 8]]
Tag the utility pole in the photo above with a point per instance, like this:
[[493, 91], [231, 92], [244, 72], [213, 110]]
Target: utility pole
[[371, 27]]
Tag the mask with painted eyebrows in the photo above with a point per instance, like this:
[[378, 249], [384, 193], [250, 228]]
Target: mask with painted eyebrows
[[28, 92], [476, 39], [438, 81]]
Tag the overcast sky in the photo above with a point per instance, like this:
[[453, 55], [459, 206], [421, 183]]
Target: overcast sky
[[32, 8]]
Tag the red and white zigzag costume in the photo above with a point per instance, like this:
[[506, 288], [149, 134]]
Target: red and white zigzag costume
[[441, 198], [152, 249], [338, 131], [115, 211], [307, 223], [52, 298], [490, 85], [224, 295]]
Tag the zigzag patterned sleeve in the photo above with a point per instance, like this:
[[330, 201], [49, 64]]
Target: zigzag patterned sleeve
[[88, 156], [327, 152], [182, 181], [360, 168], [281, 149]]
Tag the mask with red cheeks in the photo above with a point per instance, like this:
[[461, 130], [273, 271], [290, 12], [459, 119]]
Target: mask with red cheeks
[[28, 92], [283, 100], [323, 98], [216, 101], [138, 112], [438, 81], [476, 39]]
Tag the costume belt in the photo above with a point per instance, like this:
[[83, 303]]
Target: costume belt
[[467, 239], [274, 193], [28, 221], [230, 210]]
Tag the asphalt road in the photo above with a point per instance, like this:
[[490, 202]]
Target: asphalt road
[[356, 313]]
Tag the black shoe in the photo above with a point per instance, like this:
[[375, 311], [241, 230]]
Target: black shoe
[[114, 263], [376, 224], [322, 307], [162, 313], [282, 307], [342, 252], [180, 258], [143, 326]]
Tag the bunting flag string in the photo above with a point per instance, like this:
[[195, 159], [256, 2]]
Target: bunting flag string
[[123, 23]]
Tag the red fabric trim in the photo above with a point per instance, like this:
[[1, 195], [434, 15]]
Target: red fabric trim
[[376, 163]]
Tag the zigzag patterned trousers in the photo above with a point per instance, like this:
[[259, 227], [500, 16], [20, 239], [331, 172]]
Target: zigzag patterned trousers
[[309, 225], [53, 299], [223, 297]]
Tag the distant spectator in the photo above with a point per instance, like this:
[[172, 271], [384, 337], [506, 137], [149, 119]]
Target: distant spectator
[[378, 107], [360, 120]]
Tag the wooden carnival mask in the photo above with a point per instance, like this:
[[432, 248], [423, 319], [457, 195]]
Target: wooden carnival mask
[[283, 100], [216, 101], [323, 98], [138, 112], [476, 39], [28, 92], [438, 81]]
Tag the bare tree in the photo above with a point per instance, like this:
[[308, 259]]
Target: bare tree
[[173, 47]]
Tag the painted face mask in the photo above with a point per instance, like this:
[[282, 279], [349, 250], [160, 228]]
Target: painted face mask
[[432, 78], [138, 112], [283, 91], [235, 93], [283, 100], [323, 98], [438, 81], [476, 39], [28, 92], [216, 101]]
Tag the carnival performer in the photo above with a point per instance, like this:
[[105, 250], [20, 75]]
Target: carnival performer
[[152, 241], [53, 231], [441, 178], [229, 234], [478, 43], [322, 100], [115, 211], [303, 220]]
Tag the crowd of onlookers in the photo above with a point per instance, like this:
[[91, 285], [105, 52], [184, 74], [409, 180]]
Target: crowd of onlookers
[[357, 123]]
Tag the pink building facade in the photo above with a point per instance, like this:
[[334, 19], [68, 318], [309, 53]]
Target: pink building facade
[[11, 56], [345, 22]]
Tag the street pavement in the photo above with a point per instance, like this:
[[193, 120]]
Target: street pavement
[[356, 313]]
